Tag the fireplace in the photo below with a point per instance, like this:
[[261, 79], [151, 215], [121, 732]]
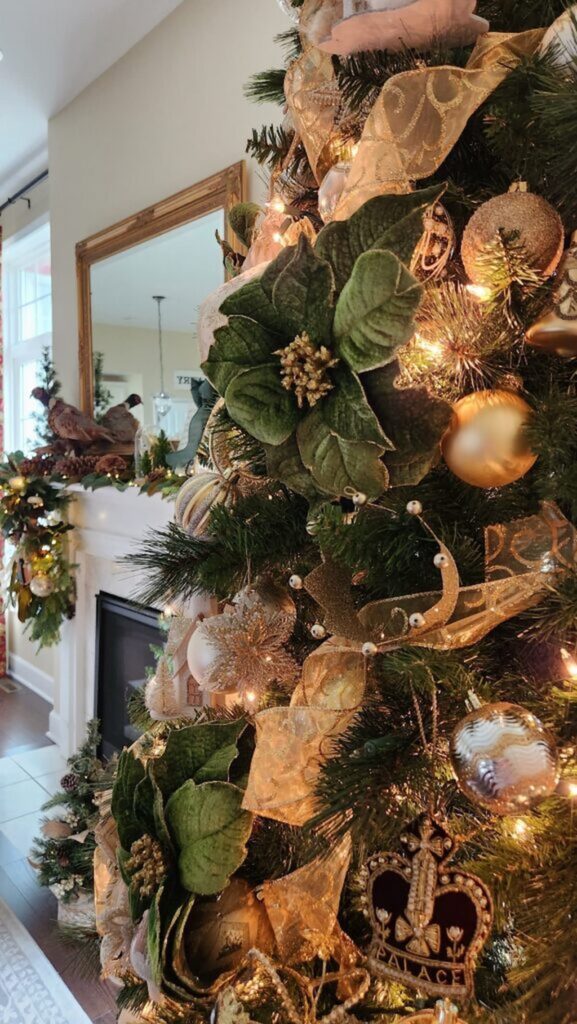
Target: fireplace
[[125, 633]]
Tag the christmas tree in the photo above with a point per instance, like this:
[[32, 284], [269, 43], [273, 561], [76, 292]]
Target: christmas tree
[[353, 798]]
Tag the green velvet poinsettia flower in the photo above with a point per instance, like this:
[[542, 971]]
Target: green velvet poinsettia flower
[[291, 362]]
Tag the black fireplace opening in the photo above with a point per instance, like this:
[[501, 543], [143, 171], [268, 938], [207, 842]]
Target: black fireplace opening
[[125, 633]]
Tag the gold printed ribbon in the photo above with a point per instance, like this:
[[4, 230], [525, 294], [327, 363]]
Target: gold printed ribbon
[[312, 98], [522, 559], [292, 743], [420, 115]]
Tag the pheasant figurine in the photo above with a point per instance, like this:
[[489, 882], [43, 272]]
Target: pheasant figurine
[[120, 421], [70, 424]]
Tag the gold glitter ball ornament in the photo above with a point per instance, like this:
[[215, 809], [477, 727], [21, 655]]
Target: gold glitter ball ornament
[[304, 370], [504, 759], [485, 444], [556, 331], [520, 215]]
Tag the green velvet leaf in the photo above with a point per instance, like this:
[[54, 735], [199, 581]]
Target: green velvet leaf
[[238, 346], [143, 805], [374, 314], [129, 773], [252, 301], [415, 421], [179, 960], [154, 939], [303, 294], [339, 466], [198, 752], [385, 222], [257, 401], [160, 827], [284, 463], [242, 219], [210, 830], [347, 412], [275, 268]]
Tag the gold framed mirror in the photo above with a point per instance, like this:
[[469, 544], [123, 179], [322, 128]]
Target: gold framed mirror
[[140, 283]]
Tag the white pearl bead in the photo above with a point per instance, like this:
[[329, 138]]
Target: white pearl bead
[[359, 499], [369, 649], [318, 631], [440, 560], [296, 582], [416, 620], [414, 508]]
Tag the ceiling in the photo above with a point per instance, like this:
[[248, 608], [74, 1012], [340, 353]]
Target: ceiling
[[52, 50], [184, 265]]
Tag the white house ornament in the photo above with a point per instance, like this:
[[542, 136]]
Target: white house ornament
[[351, 26], [429, 919], [504, 759], [560, 39], [556, 331]]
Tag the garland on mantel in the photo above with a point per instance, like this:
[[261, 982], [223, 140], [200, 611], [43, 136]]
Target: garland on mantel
[[39, 577]]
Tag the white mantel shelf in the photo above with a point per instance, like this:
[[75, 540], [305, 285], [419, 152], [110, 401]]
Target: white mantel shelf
[[110, 524]]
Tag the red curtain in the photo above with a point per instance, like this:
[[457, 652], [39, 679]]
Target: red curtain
[[2, 615]]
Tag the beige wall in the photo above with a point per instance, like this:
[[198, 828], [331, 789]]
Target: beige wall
[[18, 217], [171, 112]]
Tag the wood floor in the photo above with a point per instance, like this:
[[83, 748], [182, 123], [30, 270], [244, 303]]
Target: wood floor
[[23, 725]]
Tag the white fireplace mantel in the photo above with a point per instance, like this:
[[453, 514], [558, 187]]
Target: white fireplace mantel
[[109, 524]]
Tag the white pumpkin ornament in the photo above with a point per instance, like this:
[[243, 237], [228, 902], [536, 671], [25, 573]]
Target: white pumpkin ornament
[[198, 496]]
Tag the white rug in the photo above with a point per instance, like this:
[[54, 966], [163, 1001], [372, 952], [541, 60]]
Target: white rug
[[31, 991]]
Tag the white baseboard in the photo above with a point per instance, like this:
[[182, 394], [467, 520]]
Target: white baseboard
[[33, 678]]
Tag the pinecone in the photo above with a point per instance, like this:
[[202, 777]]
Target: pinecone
[[37, 465], [110, 464], [75, 466], [156, 474], [69, 782], [63, 860]]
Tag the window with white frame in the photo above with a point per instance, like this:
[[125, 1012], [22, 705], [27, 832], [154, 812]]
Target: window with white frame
[[27, 294]]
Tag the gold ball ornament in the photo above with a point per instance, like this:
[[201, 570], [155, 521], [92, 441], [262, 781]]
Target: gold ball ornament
[[517, 213], [485, 444], [41, 585], [556, 331], [17, 484], [198, 496], [504, 759]]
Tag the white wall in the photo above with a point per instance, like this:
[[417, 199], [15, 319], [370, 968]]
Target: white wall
[[170, 113]]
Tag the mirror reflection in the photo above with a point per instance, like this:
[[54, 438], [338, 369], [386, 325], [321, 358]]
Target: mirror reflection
[[145, 303]]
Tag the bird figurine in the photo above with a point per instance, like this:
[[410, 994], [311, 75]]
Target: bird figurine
[[120, 421], [70, 424], [205, 397]]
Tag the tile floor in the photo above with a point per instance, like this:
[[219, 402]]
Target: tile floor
[[30, 772]]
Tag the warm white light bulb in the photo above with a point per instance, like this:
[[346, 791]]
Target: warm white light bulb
[[480, 291], [569, 663]]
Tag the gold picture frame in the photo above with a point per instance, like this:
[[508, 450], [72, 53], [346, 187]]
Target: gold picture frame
[[221, 190]]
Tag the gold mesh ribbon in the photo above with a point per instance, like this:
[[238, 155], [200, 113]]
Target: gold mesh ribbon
[[413, 125], [293, 742], [522, 559]]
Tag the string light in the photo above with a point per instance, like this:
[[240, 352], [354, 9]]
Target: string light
[[569, 663], [520, 828], [435, 349], [277, 205], [480, 292], [277, 237]]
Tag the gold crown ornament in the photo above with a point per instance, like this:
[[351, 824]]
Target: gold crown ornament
[[430, 920]]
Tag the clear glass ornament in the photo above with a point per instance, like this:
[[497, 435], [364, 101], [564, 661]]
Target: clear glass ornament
[[331, 190]]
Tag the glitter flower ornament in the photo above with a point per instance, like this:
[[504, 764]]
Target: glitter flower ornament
[[249, 639], [300, 361]]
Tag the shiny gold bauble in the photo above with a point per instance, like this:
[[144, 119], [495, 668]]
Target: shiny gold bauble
[[556, 331], [504, 759], [518, 213], [484, 445], [17, 484]]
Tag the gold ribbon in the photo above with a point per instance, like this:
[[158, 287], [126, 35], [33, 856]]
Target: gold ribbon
[[415, 122], [522, 559]]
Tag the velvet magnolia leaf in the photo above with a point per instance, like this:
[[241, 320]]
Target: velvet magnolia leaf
[[144, 804], [130, 772], [252, 301], [375, 311], [347, 413], [258, 402], [198, 752], [242, 344], [339, 466], [284, 463], [303, 294], [242, 219], [273, 271], [210, 830], [160, 827], [392, 222], [414, 420]]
